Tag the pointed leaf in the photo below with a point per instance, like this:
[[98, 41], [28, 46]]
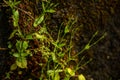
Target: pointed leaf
[[38, 20], [66, 30], [43, 6], [81, 77], [12, 34], [25, 45], [87, 47], [19, 45]]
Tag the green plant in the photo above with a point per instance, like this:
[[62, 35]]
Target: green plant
[[57, 52], [21, 46], [20, 55]]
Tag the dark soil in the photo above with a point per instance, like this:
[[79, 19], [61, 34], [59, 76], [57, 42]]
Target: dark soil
[[103, 16], [4, 34]]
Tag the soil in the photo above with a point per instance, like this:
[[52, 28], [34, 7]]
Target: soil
[[93, 15]]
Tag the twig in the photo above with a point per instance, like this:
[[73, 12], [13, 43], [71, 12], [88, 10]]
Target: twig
[[28, 13], [3, 49]]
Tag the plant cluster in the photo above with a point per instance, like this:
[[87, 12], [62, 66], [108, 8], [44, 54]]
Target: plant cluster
[[57, 53]]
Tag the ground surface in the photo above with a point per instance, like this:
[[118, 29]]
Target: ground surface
[[100, 15]]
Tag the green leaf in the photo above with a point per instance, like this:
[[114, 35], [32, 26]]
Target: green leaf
[[38, 20], [60, 45], [41, 37], [43, 30], [25, 45], [43, 6], [61, 54], [16, 54], [7, 76], [9, 45], [57, 76], [54, 74], [54, 71], [19, 45], [50, 11], [29, 36], [70, 71], [66, 30], [12, 4], [24, 54], [15, 18], [28, 52], [13, 67], [87, 47], [81, 77], [12, 34], [67, 78], [16, 3], [21, 62], [54, 57]]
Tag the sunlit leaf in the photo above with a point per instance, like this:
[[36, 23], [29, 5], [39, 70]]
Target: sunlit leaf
[[81, 77], [16, 54], [41, 37], [66, 30], [57, 76], [38, 20], [21, 62], [87, 47], [70, 71]]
